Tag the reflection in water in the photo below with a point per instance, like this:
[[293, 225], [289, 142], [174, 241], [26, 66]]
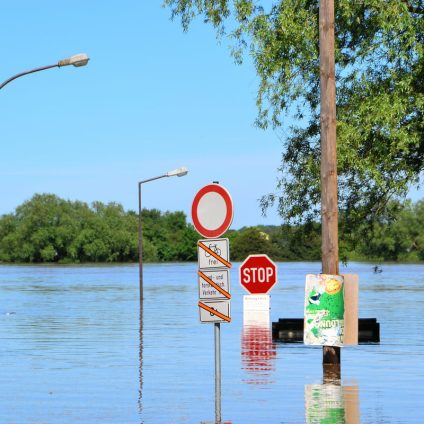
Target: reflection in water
[[331, 403], [258, 353], [140, 354], [215, 422]]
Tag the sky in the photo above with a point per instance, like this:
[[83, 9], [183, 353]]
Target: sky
[[151, 99]]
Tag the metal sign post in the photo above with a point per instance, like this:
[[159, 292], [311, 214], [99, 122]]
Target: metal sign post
[[217, 330], [212, 213]]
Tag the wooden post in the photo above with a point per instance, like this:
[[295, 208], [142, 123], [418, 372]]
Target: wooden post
[[329, 206]]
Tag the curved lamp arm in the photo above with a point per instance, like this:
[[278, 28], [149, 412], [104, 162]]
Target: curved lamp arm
[[76, 60]]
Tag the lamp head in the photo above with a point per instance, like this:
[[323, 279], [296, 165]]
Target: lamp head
[[179, 172], [76, 60]]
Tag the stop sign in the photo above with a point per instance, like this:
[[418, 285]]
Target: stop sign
[[258, 274]]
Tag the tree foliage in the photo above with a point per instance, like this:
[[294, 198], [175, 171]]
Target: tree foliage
[[397, 235], [50, 229], [251, 241], [380, 101]]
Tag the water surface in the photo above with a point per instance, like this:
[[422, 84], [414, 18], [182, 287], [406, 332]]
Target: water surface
[[73, 350]]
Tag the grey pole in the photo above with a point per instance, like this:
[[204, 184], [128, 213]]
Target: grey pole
[[140, 233], [180, 172], [28, 72], [140, 243], [217, 329]]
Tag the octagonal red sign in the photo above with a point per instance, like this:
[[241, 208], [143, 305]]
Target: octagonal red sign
[[258, 274]]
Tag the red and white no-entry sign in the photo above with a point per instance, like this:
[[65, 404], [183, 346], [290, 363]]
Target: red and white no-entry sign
[[212, 211], [258, 274]]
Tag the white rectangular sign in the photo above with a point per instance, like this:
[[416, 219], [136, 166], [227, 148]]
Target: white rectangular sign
[[256, 310], [220, 287], [256, 302], [213, 253], [214, 311]]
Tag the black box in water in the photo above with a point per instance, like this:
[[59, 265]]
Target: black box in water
[[290, 330]]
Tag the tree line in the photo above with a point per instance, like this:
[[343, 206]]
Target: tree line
[[48, 229]]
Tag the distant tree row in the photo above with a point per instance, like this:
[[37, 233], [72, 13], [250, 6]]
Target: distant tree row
[[50, 229], [396, 235]]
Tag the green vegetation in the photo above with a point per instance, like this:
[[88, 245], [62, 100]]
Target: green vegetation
[[380, 95], [397, 235], [48, 229]]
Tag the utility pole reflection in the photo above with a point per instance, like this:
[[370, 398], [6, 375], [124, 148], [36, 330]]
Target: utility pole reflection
[[330, 401]]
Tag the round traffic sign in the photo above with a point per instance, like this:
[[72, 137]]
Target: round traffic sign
[[212, 211], [258, 274]]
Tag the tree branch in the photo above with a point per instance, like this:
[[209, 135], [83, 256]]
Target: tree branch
[[413, 9]]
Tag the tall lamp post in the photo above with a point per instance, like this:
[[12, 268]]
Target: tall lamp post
[[176, 172], [76, 60]]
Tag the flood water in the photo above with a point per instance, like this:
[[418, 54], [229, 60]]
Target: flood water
[[73, 350]]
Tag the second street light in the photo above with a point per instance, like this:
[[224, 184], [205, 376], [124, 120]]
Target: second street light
[[175, 173], [76, 60]]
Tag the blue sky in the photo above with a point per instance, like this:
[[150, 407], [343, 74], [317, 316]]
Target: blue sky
[[151, 99]]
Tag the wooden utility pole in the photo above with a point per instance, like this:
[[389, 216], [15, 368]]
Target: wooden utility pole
[[329, 205]]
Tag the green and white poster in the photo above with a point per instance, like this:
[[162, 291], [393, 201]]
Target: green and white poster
[[324, 310]]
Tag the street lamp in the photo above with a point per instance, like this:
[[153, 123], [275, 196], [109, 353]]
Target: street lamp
[[76, 60], [179, 172]]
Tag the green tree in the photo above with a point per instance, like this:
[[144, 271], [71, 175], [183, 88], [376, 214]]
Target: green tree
[[398, 234], [380, 79], [168, 237], [49, 229], [300, 242], [252, 241], [40, 230], [8, 241]]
